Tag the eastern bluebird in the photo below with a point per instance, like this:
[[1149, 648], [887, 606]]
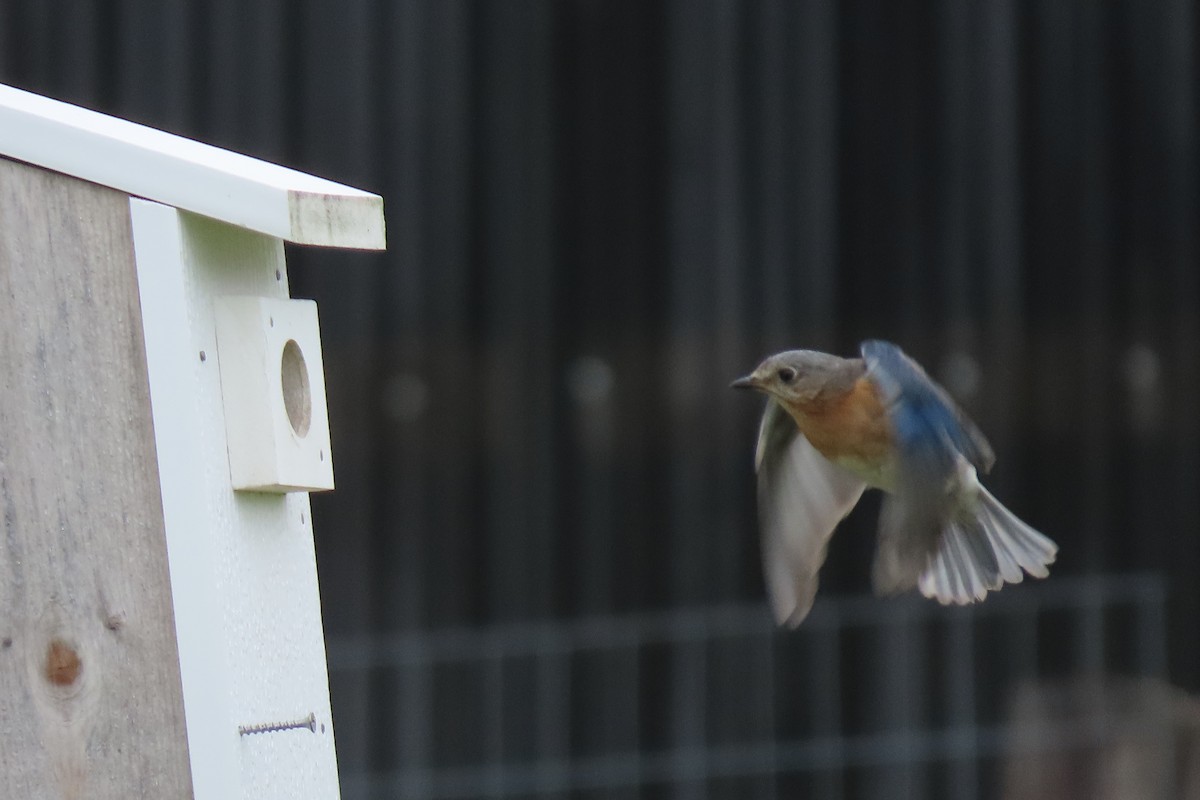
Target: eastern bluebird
[[834, 427]]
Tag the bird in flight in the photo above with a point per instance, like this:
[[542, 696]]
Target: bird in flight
[[834, 427]]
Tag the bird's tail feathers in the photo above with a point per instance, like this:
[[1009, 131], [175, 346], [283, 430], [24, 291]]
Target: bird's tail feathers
[[982, 553]]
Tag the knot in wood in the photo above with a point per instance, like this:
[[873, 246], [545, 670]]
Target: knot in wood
[[63, 664]]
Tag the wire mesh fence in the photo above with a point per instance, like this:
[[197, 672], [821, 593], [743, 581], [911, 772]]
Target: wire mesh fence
[[716, 702]]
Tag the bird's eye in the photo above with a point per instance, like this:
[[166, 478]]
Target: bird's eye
[[787, 374]]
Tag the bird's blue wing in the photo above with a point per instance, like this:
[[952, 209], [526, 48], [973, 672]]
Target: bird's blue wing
[[932, 438], [930, 429]]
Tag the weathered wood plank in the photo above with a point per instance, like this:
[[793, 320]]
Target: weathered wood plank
[[90, 697]]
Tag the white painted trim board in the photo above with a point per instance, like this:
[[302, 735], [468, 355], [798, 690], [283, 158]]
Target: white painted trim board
[[242, 564]]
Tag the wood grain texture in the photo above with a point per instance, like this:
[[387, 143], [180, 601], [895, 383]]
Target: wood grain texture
[[90, 698]]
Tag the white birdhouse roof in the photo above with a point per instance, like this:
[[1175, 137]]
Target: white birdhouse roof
[[187, 174]]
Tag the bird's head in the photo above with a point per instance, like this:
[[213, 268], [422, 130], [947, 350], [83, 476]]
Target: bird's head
[[798, 377]]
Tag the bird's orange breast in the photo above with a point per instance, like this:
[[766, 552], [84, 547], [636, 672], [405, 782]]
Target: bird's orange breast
[[851, 429]]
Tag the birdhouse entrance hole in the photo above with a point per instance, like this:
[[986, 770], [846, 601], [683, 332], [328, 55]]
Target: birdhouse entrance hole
[[297, 398]]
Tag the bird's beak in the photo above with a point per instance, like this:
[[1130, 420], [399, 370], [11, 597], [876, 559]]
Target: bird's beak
[[747, 382]]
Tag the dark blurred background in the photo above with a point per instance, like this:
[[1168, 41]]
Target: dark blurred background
[[540, 568]]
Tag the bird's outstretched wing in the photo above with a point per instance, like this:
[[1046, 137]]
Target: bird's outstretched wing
[[927, 422], [935, 441], [802, 496]]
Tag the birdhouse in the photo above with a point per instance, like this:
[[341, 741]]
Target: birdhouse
[[162, 420]]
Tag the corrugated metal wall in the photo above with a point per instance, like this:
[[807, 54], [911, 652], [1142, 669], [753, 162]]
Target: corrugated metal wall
[[601, 212]]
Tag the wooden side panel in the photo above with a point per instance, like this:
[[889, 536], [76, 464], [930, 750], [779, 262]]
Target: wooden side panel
[[90, 697]]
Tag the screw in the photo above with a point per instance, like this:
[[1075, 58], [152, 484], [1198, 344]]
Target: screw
[[309, 722]]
